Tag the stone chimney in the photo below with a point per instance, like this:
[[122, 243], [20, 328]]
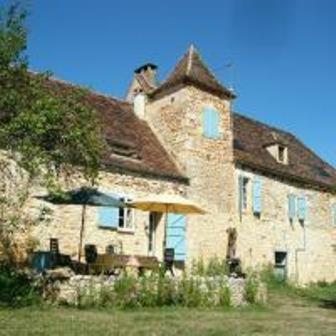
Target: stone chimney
[[148, 71], [144, 81]]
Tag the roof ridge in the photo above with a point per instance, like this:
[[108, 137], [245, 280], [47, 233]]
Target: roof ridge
[[287, 133], [92, 91], [191, 51], [208, 68], [276, 128], [80, 86]]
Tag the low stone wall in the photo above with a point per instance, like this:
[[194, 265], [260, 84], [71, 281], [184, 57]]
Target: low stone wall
[[64, 287]]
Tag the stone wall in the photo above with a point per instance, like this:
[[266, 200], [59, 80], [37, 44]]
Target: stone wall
[[310, 247], [65, 220], [177, 121]]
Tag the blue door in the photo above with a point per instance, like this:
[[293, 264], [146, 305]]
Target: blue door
[[176, 235]]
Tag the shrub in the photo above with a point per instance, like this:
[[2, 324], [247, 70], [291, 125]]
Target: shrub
[[251, 288], [16, 289], [214, 267], [190, 293], [224, 295], [126, 292]]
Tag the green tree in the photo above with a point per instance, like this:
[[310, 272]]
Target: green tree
[[41, 124], [47, 130]]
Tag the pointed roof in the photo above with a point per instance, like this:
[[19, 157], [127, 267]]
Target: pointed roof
[[192, 70]]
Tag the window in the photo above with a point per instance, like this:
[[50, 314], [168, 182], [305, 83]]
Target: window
[[116, 218], [153, 221], [243, 186], [279, 152], [126, 217], [281, 155], [210, 123]]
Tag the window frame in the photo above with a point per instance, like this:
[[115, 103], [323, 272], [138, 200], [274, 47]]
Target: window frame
[[128, 221], [245, 183]]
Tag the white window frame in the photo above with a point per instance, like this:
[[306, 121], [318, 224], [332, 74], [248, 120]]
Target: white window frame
[[126, 223]]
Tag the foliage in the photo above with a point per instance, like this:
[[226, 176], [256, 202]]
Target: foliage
[[45, 132], [251, 288], [41, 125], [157, 290], [16, 289], [214, 267]]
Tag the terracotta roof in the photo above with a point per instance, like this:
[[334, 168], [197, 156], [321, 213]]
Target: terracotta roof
[[132, 145], [192, 70], [251, 139]]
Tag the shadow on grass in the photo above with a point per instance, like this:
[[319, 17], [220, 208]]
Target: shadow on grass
[[327, 304]]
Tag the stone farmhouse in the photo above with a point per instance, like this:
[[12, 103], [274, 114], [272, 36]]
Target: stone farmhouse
[[260, 185]]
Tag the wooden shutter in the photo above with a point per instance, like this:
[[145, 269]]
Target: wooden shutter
[[108, 217], [333, 212], [176, 235], [302, 208], [257, 195], [210, 123], [291, 206]]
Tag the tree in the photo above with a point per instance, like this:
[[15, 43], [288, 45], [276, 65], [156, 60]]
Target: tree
[[45, 131], [41, 125]]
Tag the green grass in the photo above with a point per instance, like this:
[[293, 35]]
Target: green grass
[[285, 315]]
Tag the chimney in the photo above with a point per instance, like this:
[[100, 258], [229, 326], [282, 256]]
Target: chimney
[[148, 71], [144, 81]]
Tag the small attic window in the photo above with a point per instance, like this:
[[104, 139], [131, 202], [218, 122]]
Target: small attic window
[[279, 152], [123, 149]]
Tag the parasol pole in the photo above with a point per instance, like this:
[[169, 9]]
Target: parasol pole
[[165, 229], [81, 233]]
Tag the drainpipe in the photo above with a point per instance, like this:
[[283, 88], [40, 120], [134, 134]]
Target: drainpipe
[[298, 250]]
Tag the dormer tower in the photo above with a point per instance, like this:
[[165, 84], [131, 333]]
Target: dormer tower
[[191, 113]]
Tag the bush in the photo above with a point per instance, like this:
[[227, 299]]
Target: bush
[[251, 288], [157, 290], [126, 292], [16, 289], [214, 267]]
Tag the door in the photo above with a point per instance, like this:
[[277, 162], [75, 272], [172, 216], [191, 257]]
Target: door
[[176, 235], [280, 264], [153, 220]]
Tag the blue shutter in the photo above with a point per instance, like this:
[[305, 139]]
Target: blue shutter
[[176, 237], [257, 195], [108, 217], [302, 208], [215, 124], [334, 215], [210, 123], [291, 206]]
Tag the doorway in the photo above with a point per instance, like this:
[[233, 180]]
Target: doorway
[[153, 221], [280, 264]]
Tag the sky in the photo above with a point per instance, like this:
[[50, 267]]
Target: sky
[[278, 55]]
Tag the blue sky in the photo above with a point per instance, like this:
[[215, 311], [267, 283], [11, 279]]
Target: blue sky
[[283, 52]]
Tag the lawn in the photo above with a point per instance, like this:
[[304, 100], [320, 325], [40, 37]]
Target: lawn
[[285, 315]]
